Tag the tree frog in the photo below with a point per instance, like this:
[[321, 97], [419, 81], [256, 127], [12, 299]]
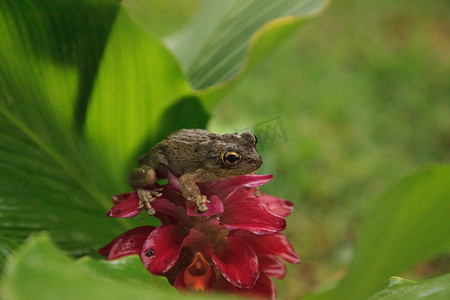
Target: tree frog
[[195, 156]]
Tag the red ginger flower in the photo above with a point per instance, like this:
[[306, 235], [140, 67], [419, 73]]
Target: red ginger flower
[[234, 246]]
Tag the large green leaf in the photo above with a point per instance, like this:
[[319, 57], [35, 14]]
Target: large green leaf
[[399, 288], [262, 43], [214, 48], [162, 17], [41, 271], [49, 179], [128, 269], [138, 79], [44, 57], [407, 225]]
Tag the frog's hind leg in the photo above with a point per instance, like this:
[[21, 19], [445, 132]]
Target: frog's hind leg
[[143, 180]]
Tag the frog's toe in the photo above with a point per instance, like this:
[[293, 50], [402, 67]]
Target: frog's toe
[[201, 203], [157, 194], [151, 211], [201, 208], [141, 205], [146, 205]]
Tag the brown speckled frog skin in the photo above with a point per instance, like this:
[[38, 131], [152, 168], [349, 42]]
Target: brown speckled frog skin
[[194, 155]]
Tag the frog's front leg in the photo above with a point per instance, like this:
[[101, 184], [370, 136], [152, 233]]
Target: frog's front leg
[[190, 190], [143, 179]]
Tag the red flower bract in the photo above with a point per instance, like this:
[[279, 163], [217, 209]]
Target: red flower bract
[[234, 246]]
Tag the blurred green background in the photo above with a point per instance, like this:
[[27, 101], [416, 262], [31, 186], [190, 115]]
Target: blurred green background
[[363, 93]]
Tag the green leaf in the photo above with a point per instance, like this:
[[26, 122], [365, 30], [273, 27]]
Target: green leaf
[[214, 48], [42, 189], [6, 248], [47, 273], [138, 80], [161, 16], [261, 45], [407, 225], [399, 288], [44, 62], [128, 269], [49, 178], [173, 120], [39, 270]]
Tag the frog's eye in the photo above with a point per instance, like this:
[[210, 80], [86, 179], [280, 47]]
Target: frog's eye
[[231, 158], [255, 139]]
